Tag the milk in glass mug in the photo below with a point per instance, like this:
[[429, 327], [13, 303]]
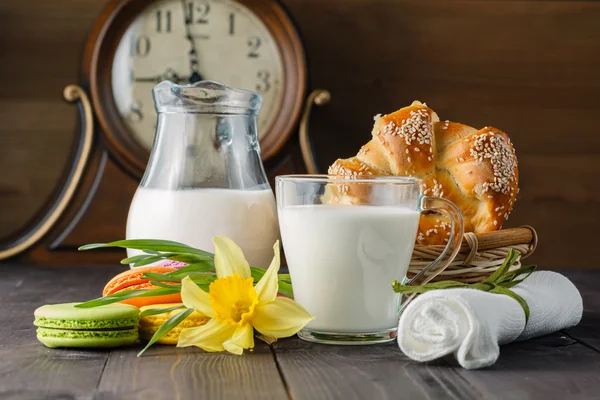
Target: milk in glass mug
[[345, 241]]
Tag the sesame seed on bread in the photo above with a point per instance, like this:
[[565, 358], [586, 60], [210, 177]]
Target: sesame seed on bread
[[475, 169]]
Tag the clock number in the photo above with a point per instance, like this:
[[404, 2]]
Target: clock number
[[264, 84], [254, 43], [231, 23], [159, 21], [202, 9], [136, 114], [142, 46]]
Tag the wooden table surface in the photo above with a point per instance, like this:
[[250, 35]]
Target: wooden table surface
[[559, 366]]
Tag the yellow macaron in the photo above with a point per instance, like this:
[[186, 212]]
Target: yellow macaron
[[149, 324]]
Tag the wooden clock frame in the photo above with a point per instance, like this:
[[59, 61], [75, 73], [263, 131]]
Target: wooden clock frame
[[105, 39], [105, 151]]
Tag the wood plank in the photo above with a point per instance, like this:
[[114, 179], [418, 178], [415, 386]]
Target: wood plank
[[28, 370], [23, 289], [38, 125], [31, 142], [49, 48], [187, 373], [587, 332], [551, 367], [519, 72], [565, 232], [568, 182], [558, 201], [112, 215], [527, 67], [29, 287], [556, 366], [426, 50], [34, 372], [364, 372]]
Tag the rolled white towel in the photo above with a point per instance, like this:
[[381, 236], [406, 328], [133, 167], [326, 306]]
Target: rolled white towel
[[472, 324]]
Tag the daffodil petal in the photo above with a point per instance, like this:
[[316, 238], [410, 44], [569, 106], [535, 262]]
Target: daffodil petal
[[243, 338], [194, 297], [229, 258], [209, 337], [190, 336], [267, 287], [281, 318]]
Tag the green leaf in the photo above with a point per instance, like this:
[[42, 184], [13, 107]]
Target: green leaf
[[203, 286], [286, 289], [191, 258], [151, 244], [406, 289], [92, 246], [519, 299], [257, 273], [203, 282], [157, 311], [284, 281], [135, 259], [149, 260], [161, 277], [137, 244], [499, 282], [127, 294], [197, 267], [203, 276], [483, 286], [166, 327], [160, 292], [100, 301], [144, 259], [509, 261], [511, 278], [165, 285], [148, 251]]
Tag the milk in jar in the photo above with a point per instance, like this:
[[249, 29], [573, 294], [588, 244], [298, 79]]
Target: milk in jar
[[205, 175], [194, 216]]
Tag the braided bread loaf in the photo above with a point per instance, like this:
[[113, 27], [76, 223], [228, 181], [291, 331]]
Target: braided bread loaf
[[475, 169]]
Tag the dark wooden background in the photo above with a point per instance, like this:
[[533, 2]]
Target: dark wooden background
[[531, 68]]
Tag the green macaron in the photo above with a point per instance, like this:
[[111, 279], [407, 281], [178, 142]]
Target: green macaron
[[64, 325]]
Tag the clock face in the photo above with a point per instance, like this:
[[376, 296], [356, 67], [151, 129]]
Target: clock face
[[186, 41]]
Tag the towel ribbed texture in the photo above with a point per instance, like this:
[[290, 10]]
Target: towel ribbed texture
[[472, 324]]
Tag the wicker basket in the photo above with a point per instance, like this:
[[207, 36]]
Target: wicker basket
[[479, 256]]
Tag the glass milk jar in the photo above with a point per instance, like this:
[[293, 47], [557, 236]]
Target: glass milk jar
[[205, 175]]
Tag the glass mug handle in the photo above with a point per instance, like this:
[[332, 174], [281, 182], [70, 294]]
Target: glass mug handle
[[447, 208]]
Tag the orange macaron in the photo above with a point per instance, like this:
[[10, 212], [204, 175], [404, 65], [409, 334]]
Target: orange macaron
[[134, 279]]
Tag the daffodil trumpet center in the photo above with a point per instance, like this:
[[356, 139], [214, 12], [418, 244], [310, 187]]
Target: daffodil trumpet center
[[233, 299]]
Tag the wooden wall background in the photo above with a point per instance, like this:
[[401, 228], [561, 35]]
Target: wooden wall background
[[531, 68]]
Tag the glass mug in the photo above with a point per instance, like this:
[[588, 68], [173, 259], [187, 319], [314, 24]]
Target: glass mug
[[345, 241]]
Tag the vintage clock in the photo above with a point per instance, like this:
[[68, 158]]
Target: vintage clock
[[246, 44], [135, 44]]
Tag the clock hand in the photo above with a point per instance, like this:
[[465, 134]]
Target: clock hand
[[169, 74], [153, 79], [193, 54]]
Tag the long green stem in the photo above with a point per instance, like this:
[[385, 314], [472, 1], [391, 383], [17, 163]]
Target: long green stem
[[499, 282]]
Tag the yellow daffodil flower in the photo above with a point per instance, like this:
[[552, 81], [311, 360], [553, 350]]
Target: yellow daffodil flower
[[237, 307]]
